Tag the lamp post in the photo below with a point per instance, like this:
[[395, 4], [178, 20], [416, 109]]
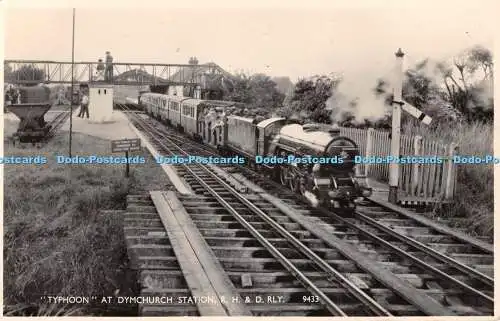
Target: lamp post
[[397, 102], [72, 83]]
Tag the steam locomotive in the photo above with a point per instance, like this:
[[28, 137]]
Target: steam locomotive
[[333, 184]]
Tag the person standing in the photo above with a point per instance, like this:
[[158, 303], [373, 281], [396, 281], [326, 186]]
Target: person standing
[[78, 99], [60, 96], [100, 70], [15, 97], [7, 102], [108, 76], [85, 106], [8, 99]]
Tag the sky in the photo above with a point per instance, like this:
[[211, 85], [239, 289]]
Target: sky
[[279, 38]]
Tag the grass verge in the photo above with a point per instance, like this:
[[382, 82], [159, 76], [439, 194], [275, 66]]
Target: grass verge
[[474, 201], [56, 240]]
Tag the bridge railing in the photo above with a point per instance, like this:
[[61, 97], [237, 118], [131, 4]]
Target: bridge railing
[[39, 71], [417, 182]]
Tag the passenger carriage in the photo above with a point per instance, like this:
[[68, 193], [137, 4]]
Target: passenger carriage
[[142, 95], [155, 102], [162, 108], [189, 117], [151, 103], [175, 110], [146, 103]]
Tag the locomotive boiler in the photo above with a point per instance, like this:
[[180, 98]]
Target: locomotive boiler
[[322, 166]]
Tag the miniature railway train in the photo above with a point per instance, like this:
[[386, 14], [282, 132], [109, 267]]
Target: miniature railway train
[[333, 185]]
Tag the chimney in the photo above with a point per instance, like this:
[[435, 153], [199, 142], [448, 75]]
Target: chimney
[[334, 130]]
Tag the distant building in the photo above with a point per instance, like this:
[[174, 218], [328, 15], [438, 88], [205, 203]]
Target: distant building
[[210, 76]]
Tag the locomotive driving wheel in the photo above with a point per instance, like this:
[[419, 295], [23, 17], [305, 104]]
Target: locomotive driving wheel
[[287, 178]]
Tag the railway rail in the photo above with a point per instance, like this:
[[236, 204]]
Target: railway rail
[[453, 271], [284, 247], [276, 243], [56, 123]]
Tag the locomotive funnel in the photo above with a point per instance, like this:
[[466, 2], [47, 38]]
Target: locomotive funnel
[[334, 130]]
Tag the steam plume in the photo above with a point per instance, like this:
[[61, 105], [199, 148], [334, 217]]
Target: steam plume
[[353, 99]]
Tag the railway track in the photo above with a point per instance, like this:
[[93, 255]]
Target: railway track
[[279, 250], [56, 124], [453, 271]]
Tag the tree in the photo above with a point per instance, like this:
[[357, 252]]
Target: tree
[[257, 91], [7, 69], [480, 57], [24, 73], [451, 91], [310, 96], [466, 89], [283, 84]]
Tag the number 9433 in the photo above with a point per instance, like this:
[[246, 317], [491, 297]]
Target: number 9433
[[310, 299]]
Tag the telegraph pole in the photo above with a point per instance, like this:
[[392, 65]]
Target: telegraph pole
[[72, 83], [397, 102]]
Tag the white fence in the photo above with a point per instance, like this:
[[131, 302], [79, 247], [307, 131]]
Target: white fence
[[417, 182]]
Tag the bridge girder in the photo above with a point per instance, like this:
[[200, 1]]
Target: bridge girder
[[123, 73]]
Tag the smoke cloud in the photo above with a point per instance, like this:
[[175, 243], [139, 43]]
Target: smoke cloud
[[357, 100], [483, 97]]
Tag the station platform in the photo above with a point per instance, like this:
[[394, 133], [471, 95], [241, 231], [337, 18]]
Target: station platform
[[117, 128]]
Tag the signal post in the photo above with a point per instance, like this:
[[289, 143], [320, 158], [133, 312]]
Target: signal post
[[397, 103]]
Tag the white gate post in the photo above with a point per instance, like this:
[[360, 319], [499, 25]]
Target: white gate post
[[417, 145], [369, 149], [396, 129]]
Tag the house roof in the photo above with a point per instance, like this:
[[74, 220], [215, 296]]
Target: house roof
[[197, 71]]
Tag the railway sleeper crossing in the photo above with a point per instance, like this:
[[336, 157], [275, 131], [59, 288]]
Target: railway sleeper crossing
[[252, 244]]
